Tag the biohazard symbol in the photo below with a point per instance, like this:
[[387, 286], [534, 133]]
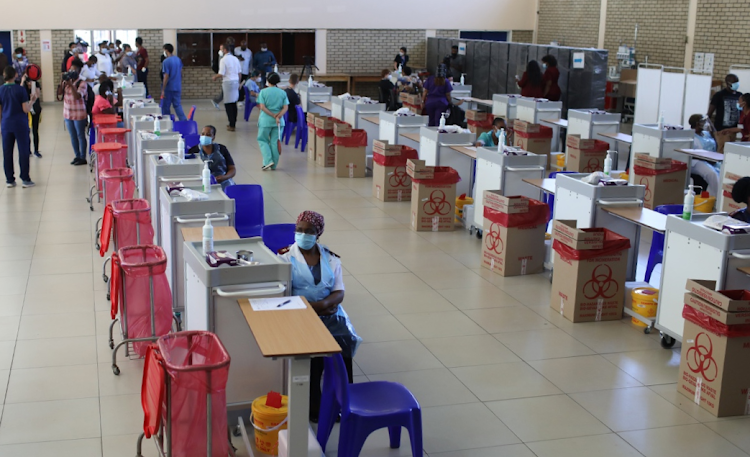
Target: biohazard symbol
[[437, 204], [601, 284], [592, 166], [647, 196], [493, 241], [399, 177], [700, 360]]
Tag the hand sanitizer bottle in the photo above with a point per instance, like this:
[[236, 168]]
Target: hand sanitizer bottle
[[687, 204], [442, 121], [463, 81], [181, 149], [208, 235], [310, 81], [501, 141], [276, 68], [206, 177], [661, 121], [608, 165], [157, 127]]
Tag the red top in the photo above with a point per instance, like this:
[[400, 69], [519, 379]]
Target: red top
[[745, 123], [530, 90], [141, 55], [552, 74]]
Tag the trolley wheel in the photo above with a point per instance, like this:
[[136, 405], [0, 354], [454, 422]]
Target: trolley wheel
[[116, 370], [88, 200], [108, 297], [647, 330], [111, 344], [479, 234], [91, 207], [105, 278], [236, 431], [97, 247], [667, 341]]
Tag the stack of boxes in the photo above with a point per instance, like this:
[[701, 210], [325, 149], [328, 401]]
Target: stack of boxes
[[728, 204], [349, 151], [585, 156], [535, 138], [433, 196], [413, 102], [324, 154], [390, 183], [714, 370], [478, 121], [664, 180], [311, 138]]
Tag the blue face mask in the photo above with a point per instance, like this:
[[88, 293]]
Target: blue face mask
[[735, 86], [305, 241], [205, 140]]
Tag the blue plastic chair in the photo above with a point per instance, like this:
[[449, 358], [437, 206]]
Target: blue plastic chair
[[656, 254], [248, 104], [191, 113], [301, 137], [550, 200], [366, 407], [185, 127], [248, 209], [278, 236], [288, 127], [190, 141]]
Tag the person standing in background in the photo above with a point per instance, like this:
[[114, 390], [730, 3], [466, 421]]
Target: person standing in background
[[401, 59], [531, 83], [74, 111], [90, 72], [103, 61], [68, 54], [437, 95], [245, 57], [35, 113], [550, 78], [14, 123], [230, 71], [4, 59], [19, 64], [273, 104], [264, 61], [126, 60], [141, 56], [293, 97], [724, 104], [171, 89], [455, 64]]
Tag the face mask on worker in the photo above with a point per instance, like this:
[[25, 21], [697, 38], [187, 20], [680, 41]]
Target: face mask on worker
[[263, 49], [19, 56], [130, 53], [221, 53], [305, 241], [735, 86], [739, 108], [108, 93], [165, 54], [205, 140], [401, 53], [544, 66]]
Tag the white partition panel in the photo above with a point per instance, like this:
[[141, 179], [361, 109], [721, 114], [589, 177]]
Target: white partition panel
[[672, 95], [743, 73], [697, 95], [647, 95]]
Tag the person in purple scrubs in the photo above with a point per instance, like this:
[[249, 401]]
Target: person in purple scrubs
[[437, 96]]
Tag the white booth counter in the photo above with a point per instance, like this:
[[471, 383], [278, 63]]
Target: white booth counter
[[391, 126], [589, 123], [585, 203], [534, 109], [145, 146], [131, 119], [308, 95], [128, 112], [177, 213], [497, 171], [460, 91], [649, 139], [505, 106], [736, 164], [211, 304], [160, 174], [355, 111], [435, 150], [135, 91], [337, 108], [694, 251]]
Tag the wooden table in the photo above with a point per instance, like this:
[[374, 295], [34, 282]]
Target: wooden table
[[745, 270], [472, 103], [465, 150], [546, 184], [374, 120], [220, 233], [640, 216], [708, 156], [335, 77], [324, 105], [363, 78], [412, 136], [557, 122], [296, 335]]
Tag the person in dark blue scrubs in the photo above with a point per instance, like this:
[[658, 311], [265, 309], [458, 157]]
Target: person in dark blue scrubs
[[14, 123]]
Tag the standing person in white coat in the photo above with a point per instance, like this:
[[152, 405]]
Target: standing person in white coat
[[103, 61], [230, 71]]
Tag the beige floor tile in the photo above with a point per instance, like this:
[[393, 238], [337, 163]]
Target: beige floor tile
[[62, 282], [632, 409], [437, 324], [124, 446], [60, 303], [358, 250], [585, 446], [56, 325], [65, 226], [13, 285], [68, 448], [14, 267], [451, 279], [670, 393], [542, 344], [508, 319], [61, 265], [584, 373], [381, 328], [121, 414], [429, 261], [547, 418], [735, 431], [6, 354], [11, 305], [16, 252], [395, 356], [17, 239], [128, 382], [55, 352], [658, 366], [4, 376], [52, 383], [459, 427], [504, 381], [695, 440], [370, 265], [463, 351], [9, 328], [50, 421], [392, 282], [436, 387], [57, 238], [486, 296], [511, 450], [607, 337]]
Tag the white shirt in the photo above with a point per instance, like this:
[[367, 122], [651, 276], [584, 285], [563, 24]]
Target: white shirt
[[333, 261], [104, 64], [247, 54], [229, 68], [89, 73]]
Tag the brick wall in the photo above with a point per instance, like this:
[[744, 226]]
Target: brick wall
[[662, 28], [571, 23], [720, 29], [60, 41], [197, 84], [153, 40], [369, 51], [522, 36], [447, 34], [33, 46]]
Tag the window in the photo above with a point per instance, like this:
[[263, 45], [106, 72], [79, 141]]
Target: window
[[200, 48], [94, 37]]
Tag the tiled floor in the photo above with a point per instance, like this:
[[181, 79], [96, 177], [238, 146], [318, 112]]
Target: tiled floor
[[497, 372]]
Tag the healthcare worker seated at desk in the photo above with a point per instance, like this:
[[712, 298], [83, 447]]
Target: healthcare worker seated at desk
[[704, 139], [490, 139], [317, 276], [221, 165], [741, 194]]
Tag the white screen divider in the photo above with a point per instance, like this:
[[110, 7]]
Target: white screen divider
[[672, 95], [697, 95], [647, 94]]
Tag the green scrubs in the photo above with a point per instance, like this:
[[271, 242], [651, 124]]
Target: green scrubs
[[274, 100], [489, 142]]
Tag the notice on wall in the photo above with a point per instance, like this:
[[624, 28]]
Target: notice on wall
[[462, 48], [22, 38], [46, 46], [578, 60], [698, 61], [708, 62]]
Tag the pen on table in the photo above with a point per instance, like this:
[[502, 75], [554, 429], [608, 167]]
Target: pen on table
[[285, 303]]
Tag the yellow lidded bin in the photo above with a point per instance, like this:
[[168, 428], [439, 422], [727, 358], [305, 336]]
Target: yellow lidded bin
[[644, 303], [267, 422]]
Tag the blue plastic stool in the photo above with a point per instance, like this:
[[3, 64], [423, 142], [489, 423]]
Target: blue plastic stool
[[288, 127], [191, 113], [248, 202], [278, 236], [301, 137], [366, 407], [656, 254], [185, 127]]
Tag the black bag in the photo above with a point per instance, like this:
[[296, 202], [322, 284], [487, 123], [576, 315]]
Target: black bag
[[456, 116], [89, 98]]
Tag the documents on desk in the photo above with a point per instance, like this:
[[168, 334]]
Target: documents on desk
[[277, 304]]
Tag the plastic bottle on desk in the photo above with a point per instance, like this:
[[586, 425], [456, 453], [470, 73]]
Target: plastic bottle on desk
[[608, 165], [157, 127], [442, 121], [206, 177], [276, 68], [181, 149], [463, 80], [208, 235], [310, 81], [501, 141], [687, 204]]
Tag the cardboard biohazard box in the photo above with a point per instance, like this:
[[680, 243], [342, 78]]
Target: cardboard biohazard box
[[714, 372], [663, 187], [383, 148], [534, 138], [513, 243], [474, 115], [310, 117], [479, 126], [578, 239], [390, 182], [729, 300], [728, 204], [589, 284], [350, 156], [324, 151], [342, 129], [433, 201], [416, 168], [585, 156], [651, 162], [526, 127], [495, 199]]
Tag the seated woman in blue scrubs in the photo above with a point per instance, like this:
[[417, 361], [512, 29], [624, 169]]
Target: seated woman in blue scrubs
[[317, 276], [741, 195], [704, 139]]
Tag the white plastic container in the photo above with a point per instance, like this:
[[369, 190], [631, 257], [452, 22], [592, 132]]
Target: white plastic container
[[206, 178], [208, 235]]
